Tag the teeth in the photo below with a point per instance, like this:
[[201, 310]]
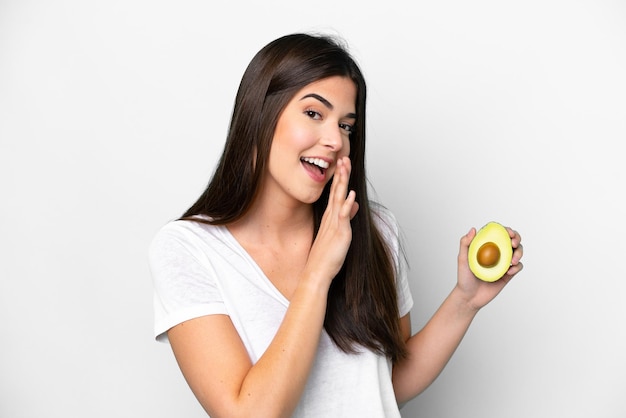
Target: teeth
[[317, 161]]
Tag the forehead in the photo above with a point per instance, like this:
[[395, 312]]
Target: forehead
[[340, 92]]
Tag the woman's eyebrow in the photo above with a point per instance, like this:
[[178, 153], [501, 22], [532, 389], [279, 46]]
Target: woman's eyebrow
[[326, 103]]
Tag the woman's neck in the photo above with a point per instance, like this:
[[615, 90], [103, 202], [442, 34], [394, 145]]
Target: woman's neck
[[274, 222]]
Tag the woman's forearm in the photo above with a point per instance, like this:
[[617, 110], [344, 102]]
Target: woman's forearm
[[431, 348], [217, 367], [279, 377]]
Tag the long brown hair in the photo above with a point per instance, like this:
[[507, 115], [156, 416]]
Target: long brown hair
[[362, 301]]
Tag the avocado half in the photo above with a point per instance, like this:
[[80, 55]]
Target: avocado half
[[490, 252]]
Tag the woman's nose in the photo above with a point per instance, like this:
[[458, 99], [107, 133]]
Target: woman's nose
[[332, 137]]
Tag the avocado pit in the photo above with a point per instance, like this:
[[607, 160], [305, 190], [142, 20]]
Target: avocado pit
[[488, 255]]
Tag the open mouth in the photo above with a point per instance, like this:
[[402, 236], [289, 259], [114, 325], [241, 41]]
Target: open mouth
[[315, 164]]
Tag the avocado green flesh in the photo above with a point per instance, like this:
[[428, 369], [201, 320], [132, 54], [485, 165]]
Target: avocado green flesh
[[491, 234]]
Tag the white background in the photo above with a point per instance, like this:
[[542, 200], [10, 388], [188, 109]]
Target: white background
[[112, 115]]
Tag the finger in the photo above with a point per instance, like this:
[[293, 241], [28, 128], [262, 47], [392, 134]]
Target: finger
[[337, 177], [464, 245], [467, 238], [517, 254], [514, 269], [348, 165], [339, 188], [516, 238], [354, 209], [348, 204]]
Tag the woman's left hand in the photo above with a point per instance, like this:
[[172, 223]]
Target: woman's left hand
[[477, 292]]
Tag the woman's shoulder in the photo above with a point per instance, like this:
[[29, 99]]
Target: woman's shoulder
[[180, 225], [186, 232]]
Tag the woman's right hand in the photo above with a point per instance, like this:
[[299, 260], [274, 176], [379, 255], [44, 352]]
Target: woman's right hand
[[333, 239]]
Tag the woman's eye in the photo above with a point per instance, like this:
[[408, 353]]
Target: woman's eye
[[346, 127], [313, 114]]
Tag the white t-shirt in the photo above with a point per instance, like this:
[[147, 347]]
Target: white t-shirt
[[201, 269]]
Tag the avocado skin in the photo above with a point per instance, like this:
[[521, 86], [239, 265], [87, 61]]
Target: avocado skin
[[496, 233]]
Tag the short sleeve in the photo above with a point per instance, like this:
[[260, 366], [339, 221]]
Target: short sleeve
[[185, 286], [390, 231]]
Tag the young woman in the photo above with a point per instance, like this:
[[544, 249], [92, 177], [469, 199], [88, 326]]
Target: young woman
[[282, 289]]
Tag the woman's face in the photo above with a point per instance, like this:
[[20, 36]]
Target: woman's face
[[312, 132]]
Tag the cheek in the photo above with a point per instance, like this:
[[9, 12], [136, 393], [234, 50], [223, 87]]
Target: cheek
[[302, 138], [345, 148], [293, 136]]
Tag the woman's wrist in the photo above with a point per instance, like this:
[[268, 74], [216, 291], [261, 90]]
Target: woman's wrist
[[463, 303], [314, 282]]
